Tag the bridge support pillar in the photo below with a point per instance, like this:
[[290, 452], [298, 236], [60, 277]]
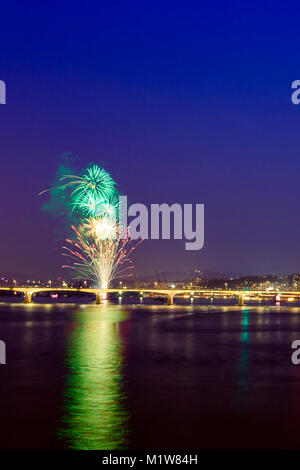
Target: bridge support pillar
[[27, 297], [98, 298], [241, 300], [170, 299]]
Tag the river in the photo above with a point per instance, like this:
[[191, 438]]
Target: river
[[149, 377]]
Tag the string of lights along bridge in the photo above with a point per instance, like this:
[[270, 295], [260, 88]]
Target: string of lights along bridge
[[169, 294]]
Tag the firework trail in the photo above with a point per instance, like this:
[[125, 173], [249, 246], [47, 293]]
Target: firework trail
[[101, 247], [100, 257]]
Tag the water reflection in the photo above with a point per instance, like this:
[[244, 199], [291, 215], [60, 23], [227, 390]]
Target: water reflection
[[94, 412], [197, 377], [244, 361]]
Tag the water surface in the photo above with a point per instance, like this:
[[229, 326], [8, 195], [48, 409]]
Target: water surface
[[142, 377]]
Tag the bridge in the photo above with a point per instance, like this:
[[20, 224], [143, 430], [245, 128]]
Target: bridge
[[101, 294]]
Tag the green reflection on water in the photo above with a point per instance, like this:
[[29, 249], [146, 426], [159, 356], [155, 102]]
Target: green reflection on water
[[94, 412], [243, 394], [244, 355]]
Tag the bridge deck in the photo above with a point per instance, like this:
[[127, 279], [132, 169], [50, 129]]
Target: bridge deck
[[169, 293]]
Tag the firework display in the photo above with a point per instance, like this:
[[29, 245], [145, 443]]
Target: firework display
[[100, 247], [100, 255]]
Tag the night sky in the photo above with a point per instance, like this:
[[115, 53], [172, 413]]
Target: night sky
[[186, 102]]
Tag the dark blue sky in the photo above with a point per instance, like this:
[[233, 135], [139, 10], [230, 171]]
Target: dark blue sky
[[183, 102]]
